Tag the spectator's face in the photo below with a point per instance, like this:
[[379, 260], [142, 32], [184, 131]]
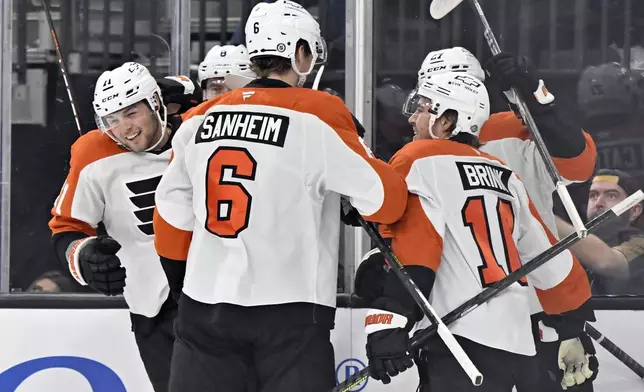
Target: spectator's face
[[603, 195], [44, 285], [136, 127]]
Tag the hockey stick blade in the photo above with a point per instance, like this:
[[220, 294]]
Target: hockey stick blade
[[492, 291], [439, 8], [318, 77], [617, 352], [399, 270]]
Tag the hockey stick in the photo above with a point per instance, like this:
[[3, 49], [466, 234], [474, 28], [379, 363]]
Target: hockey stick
[[420, 299], [617, 352], [438, 9], [492, 291], [62, 66], [318, 76]]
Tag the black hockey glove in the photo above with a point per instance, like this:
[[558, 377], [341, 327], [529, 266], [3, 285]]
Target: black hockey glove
[[96, 261], [179, 93], [507, 70], [371, 276], [388, 344]]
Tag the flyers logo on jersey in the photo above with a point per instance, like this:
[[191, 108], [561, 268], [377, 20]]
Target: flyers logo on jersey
[[484, 176], [143, 200], [247, 126]]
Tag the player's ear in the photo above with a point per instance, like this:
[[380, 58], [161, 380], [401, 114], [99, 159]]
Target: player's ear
[[446, 123]]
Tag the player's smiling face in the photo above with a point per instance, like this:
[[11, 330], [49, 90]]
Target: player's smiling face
[[137, 127], [420, 119], [423, 120]]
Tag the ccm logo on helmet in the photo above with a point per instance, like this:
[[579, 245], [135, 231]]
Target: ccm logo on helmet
[[438, 68], [111, 97]]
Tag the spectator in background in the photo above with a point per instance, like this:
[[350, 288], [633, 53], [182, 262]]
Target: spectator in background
[[51, 282], [611, 101], [614, 256]]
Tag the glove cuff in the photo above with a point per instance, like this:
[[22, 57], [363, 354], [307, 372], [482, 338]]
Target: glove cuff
[[73, 261], [379, 320]]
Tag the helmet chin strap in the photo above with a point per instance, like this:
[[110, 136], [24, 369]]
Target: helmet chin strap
[[301, 75], [432, 121], [164, 130]]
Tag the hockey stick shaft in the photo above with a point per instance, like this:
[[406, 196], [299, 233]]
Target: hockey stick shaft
[[492, 291], [62, 66], [399, 270], [617, 352], [318, 77], [562, 191]]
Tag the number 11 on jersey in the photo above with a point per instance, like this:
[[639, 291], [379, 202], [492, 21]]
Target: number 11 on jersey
[[476, 218]]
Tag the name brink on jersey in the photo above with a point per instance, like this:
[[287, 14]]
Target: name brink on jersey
[[484, 176], [247, 126]]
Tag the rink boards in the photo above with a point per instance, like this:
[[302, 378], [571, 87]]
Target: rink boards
[[93, 349]]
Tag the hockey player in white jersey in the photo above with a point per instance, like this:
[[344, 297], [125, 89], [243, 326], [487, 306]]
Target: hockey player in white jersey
[[247, 214], [224, 68], [468, 223], [112, 179], [507, 138]]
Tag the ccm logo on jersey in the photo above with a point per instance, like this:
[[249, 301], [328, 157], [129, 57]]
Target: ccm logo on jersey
[[247, 126], [484, 176]]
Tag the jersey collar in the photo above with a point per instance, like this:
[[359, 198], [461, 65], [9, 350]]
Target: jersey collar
[[267, 83]]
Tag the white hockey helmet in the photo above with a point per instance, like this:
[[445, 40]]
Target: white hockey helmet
[[225, 60], [454, 91], [456, 59], [122, 87], [273, 29]]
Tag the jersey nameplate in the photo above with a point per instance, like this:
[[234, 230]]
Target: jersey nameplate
[[484, 176], [246, 126]]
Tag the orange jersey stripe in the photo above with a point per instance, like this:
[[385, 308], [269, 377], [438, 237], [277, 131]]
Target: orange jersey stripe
[[570, 293], [415, 239], [170, 242]]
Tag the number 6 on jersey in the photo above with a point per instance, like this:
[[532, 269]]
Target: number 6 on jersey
[[228, 202]]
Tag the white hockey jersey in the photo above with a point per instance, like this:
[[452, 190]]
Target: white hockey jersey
[[469, 219], [253, 192], [506, 138], [109, 184]]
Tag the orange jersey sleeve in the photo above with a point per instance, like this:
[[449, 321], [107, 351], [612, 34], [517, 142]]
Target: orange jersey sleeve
[[170, 242], [79, 206], [572, 291], [507, 125]]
